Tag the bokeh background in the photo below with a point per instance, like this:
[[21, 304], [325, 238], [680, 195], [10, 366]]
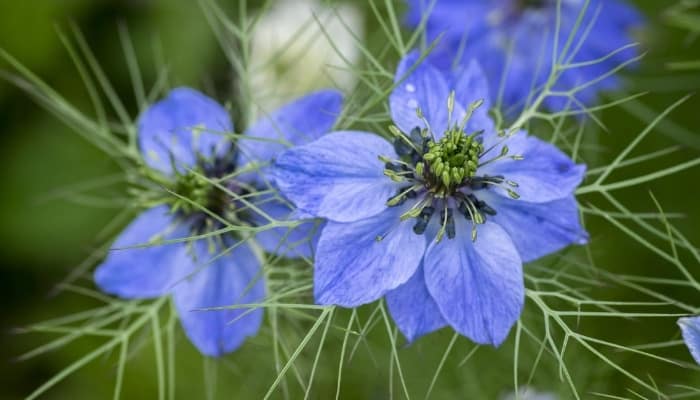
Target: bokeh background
[[44, 235]]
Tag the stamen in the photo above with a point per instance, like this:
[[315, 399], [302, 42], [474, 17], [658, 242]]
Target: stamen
[[394, 167], [401, 148], [448, 224], [498, 181], [504, 154], [469, 113], [417, 208], [503, 137], [486, 208], [393, 176], [419, 114], [423, 220], [469, 209], [400, 135], [450, 106], [402, 196]]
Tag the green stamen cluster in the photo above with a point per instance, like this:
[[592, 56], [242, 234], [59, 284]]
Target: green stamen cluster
[[452, 160], [193, 191]]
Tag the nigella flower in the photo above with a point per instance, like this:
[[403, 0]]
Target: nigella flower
[[690, 328], [182, 139], [441, 220], [513, 40]]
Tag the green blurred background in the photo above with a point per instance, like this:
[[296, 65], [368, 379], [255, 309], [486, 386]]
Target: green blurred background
[[43, 236]]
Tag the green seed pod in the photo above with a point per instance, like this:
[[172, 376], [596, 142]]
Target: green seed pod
[[456, 175], [420, 169], [438, 167], [446, 177]]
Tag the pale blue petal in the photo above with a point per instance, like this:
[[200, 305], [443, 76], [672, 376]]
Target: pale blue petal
[[300, 241], [538, 229], [178, 128], [354, 268], [470, 85], [478, 286], [545, 174], [232, 279], [690, 328], [296, 123], [421, 86], [145, 272], [339, 176], [413, 309]]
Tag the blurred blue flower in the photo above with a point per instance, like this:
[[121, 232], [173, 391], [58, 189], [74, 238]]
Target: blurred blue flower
[[690, 328], [433, 221], [513, 40], [183, 138]]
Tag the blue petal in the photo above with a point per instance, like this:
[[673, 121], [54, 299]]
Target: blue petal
[[690, 328], [545, 174], [299, 122], [235, 278], [145, 272], [478, 286], [354, 268], [450, 18], [470, 85], [423, 87], [538, 229], [338, 177], [413, 309], [300, 241], [166, 134]]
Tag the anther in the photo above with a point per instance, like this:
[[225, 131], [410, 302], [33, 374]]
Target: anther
[[396, 200], [449, 223], [416, 136], [464, 210], [395, 167], [401, 196], [394, 176], [401, 147], [486, 208], [422, 220]]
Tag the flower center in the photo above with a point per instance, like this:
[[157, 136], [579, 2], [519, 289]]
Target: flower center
[[201, 196], [192, 191], [443, 175], [451, 161]]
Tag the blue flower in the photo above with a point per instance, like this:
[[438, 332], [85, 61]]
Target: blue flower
[[182, 138], [513, 40], [690, 328], [433, 221]]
